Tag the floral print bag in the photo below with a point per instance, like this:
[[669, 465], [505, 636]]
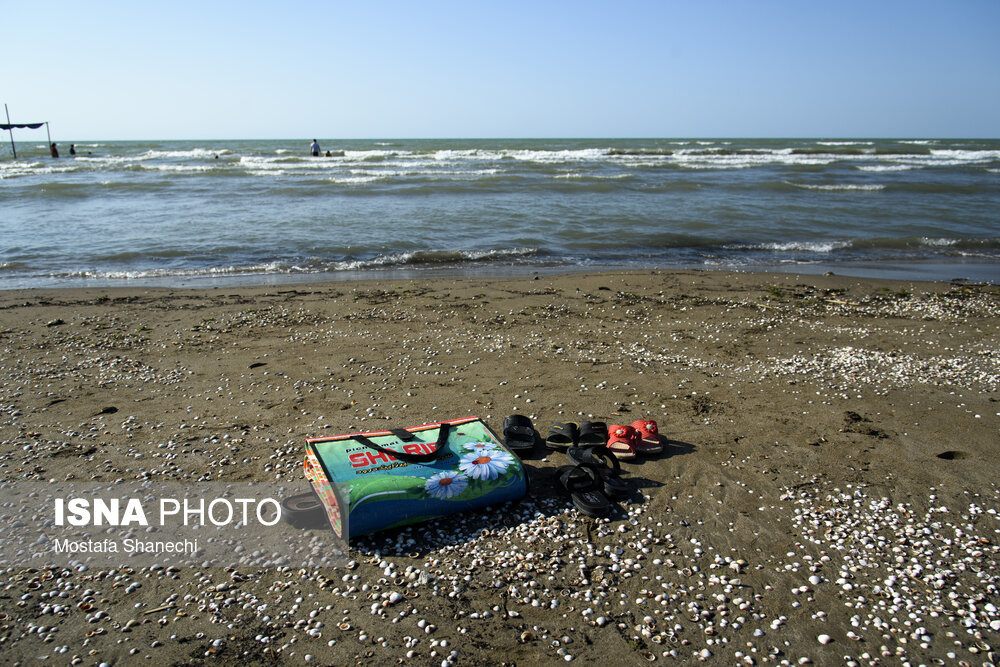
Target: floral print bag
[[374, 481]]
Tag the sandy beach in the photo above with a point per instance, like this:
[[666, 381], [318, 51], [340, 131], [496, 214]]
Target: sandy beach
[[828, 494]]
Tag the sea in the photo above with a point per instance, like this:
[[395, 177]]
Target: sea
[[261, 212]]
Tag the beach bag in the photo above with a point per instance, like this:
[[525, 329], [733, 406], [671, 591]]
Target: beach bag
[[386, 479]]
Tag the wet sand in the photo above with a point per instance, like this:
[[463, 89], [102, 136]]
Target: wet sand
[[828, 492]]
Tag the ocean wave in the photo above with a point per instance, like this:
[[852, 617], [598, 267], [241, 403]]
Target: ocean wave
[[878, 168], [412, 258], [941, 243], [640, 152], [180, 168], [821, 247], [433, 257], [839, 187], [585, 154], [728, 159], [866, 245], [965, 156], [576, 175], [193, 153]]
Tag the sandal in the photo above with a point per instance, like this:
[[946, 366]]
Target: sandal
[[519, 433], [304, 511], [600, 457], [593, 433], [648, 437], [562, 435], [582, 482], [622, 442]]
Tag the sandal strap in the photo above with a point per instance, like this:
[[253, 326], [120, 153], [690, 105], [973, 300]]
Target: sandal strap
[[607, 455], [581, 477]]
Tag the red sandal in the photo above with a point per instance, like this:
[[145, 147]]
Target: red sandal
[[621, 441], [647, 437]]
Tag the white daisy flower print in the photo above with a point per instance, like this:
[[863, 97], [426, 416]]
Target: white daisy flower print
[[485, 465], [479, 446], [446, 484]]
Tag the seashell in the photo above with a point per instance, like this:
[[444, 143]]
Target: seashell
[[983, 646], [649, 656], [344, 626]]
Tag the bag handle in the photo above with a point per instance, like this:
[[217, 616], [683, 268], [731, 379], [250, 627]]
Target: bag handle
[[407, 456]]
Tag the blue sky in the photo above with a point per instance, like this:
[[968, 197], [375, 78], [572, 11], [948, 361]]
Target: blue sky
[[539, 68]]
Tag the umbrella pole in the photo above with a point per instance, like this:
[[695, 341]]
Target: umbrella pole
[[10, 129]]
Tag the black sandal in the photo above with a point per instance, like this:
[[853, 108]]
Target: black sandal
[[593, 434], [562, 435], [606, 463], [519, 433], [304, 511], [583, 483]]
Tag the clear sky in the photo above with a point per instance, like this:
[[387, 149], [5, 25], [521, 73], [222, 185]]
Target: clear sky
[[211, 69]]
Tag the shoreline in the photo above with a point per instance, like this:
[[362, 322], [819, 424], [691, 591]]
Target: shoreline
[[829, 486], [917, 270]]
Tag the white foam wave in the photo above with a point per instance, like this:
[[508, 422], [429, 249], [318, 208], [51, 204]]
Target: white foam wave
[[270, 267], [432, 257], [846, 143], [356, 180], [586, 154], [20, 168], [964, 156], [803, 246], [842, 187], [371, 154], [181, 168], [886, 167], [938, 243], [699, 159], [576, 175], [192, 153]]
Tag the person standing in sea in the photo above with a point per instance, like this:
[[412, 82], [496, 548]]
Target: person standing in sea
[[53, 151], [314, 148]]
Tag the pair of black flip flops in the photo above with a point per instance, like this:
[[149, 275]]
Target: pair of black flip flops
[[593, 479], [563, 435]]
